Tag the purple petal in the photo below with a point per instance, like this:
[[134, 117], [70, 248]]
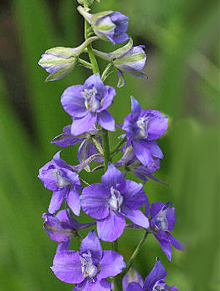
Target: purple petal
[[158, 272], [59, 162], [82, 125], [155, 208], [108, 98], [73, 102], [89, 285], [106, 120], [63, 246], [94, 200], [137, 217], [145, 151], [47, 177], [133, 194], [110, 228], [174, 242], [57, 229], [164, 242], [135, 109], [95, 81], [56, 200], [67, 267], [112, 176], [132, 276], [171, 218], [72, 199], [91, 243], [111, 265], [157, 125], [65, 139], [134, 287]]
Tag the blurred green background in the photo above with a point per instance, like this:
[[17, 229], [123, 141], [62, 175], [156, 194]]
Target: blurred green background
[[182, 44]]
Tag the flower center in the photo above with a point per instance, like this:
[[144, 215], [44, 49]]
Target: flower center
[[161, 220], [61, 180], [88, 268], [116, 200], [91, 101], [142, 127], [159, 286]]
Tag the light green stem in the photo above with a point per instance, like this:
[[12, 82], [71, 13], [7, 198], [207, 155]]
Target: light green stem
[[92, 58], [135, 253], [106, 150]]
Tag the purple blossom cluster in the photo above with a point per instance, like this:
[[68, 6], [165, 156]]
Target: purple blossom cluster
[[114, 200]]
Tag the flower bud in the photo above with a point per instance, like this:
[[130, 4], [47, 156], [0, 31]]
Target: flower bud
[[59, 62], [107, 25], [129, 60]]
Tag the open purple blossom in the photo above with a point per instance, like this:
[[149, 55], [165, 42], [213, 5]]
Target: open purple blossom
[[60, 178], [87, 147], [108, 25], [131, 163], [155, 281], [111, 201], [87, 105], [62, 227], [142, 128], [127, 60], [90, 267], [161, 224]]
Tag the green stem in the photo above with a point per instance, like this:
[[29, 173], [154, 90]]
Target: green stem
[[85, 63], [106, 149], [118, 147], [92, 58], [135, 253], [117, 279]]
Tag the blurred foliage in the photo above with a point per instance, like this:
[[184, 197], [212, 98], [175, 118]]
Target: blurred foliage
[[182, 42]]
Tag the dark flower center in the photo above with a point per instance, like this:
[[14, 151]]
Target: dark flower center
[[91, 102], [160, 220], [61, 179], [89, 269], [159, 286], [116, 200], [141, 131]]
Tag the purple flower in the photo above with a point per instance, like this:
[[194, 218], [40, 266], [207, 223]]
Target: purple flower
[[143, 127], [87, 147], [131, 163], [108, 25], [87, 105], [62, 227], [60, 178], [161, 224], [128, 59], [90, 267], [113, 200], [155, 281]]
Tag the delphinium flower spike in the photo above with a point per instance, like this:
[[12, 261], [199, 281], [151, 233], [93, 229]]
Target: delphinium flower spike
[[115, 199]]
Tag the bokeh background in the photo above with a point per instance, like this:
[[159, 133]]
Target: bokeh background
[[182, 44]]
